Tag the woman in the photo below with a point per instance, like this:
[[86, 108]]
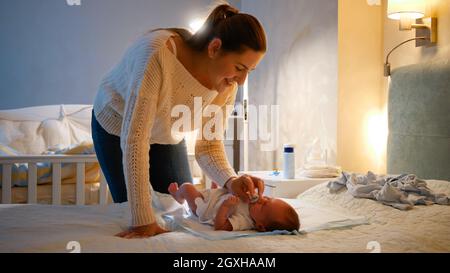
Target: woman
[[132, 122]]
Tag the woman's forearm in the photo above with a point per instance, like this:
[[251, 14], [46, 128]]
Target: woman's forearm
[[212, 158]]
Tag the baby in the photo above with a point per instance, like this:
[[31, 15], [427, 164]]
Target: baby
[[225, 211]]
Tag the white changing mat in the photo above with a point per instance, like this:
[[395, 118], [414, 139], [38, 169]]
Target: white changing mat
[[312, 219]]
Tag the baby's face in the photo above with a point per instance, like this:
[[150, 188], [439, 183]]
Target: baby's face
[[266, 208]]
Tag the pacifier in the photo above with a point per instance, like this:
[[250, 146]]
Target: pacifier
[[275, 172], [254, 198]]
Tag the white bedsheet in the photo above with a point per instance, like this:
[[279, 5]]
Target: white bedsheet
[[40, 228]]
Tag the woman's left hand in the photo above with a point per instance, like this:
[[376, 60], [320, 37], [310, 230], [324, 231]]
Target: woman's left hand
[[145, 231], [245, 187]]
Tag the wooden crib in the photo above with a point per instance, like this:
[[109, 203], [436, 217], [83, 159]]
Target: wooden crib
[[56, 161]]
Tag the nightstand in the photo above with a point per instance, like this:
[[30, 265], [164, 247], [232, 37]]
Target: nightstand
[[278, 187]]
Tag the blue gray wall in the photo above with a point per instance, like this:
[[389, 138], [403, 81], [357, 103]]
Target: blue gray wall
[[53, 53]]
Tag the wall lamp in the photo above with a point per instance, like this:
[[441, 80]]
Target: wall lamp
[[410, 14], [387, 65]]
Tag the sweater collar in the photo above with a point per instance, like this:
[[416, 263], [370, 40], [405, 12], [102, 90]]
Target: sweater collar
[[190, 83]]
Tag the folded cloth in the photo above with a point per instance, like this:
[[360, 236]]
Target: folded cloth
[[320, 171], [399, 191], [312, 219]]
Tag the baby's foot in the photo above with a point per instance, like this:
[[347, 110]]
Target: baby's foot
[[173, 190]]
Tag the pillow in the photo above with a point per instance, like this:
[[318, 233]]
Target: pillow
[[19, 135], [33, 130], [55, 132]]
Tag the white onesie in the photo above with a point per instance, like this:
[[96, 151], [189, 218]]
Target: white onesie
[[212, 200]]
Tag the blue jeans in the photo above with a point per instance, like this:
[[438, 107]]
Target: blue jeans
[[168, 163]]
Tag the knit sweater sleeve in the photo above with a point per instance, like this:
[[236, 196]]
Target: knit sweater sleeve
[[139, 115], [210, 154]]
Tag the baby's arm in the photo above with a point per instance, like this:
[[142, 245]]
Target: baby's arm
[[221, 222]]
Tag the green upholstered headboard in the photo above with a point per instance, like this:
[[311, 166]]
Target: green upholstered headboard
[[419, 120]]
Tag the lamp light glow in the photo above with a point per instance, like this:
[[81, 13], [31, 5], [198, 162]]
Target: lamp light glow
[[196, 24], [376, 134], [410, 14], [413, 9]]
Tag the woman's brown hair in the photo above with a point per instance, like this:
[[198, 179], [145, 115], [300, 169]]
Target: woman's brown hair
[[237, 31]]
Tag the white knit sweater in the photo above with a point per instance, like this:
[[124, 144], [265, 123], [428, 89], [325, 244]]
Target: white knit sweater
[[134, 101]]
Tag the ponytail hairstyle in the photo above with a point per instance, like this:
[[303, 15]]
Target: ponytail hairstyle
[[237, 31]]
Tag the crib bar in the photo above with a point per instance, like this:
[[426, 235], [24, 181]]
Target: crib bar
[[32, 183], [103, 198], [6, 184], [80, 183], [6, 163], [48, 158], [56, 183]]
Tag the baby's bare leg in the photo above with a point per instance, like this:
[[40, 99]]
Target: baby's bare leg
[[187, 192]]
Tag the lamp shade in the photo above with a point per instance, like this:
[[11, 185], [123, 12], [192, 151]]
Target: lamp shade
[[411, 8]]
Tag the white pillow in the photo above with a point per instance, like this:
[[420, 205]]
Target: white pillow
[[55, 132], [34, 130]]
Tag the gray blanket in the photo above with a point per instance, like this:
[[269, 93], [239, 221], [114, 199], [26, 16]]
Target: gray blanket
[[401, 191]]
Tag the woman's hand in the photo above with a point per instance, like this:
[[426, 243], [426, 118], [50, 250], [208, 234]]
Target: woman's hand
[[244, 187], [142, 231]]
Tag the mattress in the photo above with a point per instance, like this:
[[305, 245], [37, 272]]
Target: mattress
[[40, 228]]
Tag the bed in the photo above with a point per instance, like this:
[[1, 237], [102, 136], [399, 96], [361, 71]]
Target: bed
[[41, 228], [56, 228]]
